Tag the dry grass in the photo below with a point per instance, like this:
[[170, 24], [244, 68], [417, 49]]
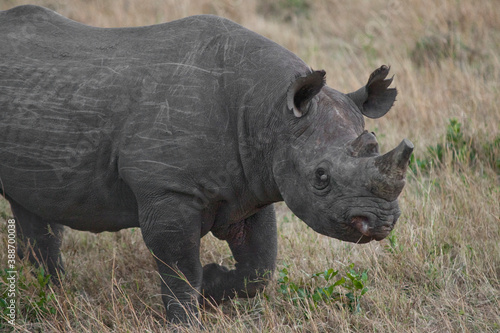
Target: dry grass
[[439, 272]]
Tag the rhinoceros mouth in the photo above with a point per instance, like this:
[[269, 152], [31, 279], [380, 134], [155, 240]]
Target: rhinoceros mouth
[[363, 239], [362, 225], [349, 233]]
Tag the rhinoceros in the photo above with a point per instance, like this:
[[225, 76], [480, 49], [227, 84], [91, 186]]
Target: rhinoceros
[[192, 126]]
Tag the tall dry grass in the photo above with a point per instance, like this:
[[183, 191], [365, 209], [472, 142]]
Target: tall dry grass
[[440, 269]]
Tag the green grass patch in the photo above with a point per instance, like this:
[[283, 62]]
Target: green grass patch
[[459, 149]]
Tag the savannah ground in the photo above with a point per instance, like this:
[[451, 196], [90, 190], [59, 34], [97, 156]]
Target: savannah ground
[[438, 271]]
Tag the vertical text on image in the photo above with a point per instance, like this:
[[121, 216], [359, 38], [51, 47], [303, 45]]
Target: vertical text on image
[[11, 270]]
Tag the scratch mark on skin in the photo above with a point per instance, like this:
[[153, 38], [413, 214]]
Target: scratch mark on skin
[[221, 20], [159, 124], [160, 163], [215, 71], [111, 69], [144, 172], [186, 65]]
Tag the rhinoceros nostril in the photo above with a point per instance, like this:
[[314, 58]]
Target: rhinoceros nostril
[[361, 224]]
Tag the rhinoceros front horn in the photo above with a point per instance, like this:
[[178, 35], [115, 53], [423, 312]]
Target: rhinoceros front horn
[[391, 171], [394, 163]]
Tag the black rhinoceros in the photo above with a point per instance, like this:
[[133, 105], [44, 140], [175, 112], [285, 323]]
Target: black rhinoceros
[[193, 126]]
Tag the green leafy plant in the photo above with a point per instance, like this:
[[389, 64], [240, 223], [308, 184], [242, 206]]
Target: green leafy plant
[[346, 291], [393, 245], [356, 286]]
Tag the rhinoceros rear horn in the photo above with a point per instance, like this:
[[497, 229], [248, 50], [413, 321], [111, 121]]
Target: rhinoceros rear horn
[[375, 99], [303, 90]]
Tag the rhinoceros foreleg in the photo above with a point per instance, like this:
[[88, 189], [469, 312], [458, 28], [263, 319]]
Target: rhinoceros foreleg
[[173, 237], [39, 240], [253, 243]]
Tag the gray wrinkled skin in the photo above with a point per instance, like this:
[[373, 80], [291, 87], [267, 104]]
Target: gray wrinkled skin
[[184, 128]]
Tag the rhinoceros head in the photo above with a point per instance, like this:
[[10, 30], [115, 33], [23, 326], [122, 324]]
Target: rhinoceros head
[[330, 173]]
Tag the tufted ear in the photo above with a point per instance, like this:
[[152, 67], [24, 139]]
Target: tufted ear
[[375, 99], [303, 90]]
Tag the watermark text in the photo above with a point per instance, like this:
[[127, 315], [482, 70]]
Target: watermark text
[[11, 271]]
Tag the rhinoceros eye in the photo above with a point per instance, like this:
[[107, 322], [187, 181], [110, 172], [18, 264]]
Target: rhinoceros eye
[[322, 179]]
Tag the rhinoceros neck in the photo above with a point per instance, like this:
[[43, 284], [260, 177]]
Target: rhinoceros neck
[[261, 103], [256, 148], [263, 136]]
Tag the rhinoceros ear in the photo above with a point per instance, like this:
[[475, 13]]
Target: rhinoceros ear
[[303, 90], [375, 99]]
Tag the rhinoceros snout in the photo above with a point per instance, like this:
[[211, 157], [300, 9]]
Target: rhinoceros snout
[[373, 229]]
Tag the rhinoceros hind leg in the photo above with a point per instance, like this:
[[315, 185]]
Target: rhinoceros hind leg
[[253, 243], [39, 240]]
